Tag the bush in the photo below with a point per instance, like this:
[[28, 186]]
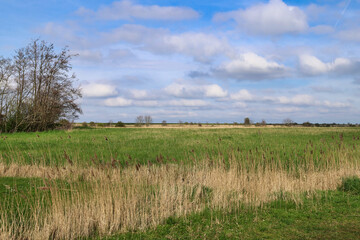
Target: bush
[[65, 124], [163, 123], [247, 121], [307, 124], [84, 124], [351, 185], [92, 124], [120, 124]]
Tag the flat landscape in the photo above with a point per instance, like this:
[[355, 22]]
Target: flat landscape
[[181, 183]]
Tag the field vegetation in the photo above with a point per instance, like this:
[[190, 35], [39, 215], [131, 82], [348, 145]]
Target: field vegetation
[[152, 182]]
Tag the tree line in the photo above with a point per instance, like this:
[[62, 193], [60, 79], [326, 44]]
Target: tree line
[[37, 88]]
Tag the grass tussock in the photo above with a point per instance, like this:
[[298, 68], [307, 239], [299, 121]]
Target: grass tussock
[[102, 201]]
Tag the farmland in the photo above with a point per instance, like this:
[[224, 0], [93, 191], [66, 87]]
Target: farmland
[[150, 182]]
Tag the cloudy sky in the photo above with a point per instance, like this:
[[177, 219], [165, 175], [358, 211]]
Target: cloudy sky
[[202, 61]]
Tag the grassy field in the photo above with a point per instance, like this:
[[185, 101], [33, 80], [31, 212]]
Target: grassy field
[[180, 183]]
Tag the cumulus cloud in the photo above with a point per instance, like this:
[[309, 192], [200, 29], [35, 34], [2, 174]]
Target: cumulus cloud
[[147, 103], [272, 18], [194, 91], [242, 95], [305, 100], [87, 55], [98, 90], [214, 91], [250, 66], [350, 35], [287, 109], [201, 46], [138, 94], [68, 34], [188, 103], [127, 10], [118, 102], [312, 66]]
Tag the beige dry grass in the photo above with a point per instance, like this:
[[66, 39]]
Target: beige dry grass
[[108, 199]]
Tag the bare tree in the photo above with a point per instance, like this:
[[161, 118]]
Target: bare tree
[[263, 122], [288, 122], [139, 121], [148, 120], [6, 91], [42, 89]]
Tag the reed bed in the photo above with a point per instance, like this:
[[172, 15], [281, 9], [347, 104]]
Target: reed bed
[[121, 183], [104, 199]]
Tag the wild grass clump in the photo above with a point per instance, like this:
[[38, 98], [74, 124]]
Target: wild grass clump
[[351, 184]]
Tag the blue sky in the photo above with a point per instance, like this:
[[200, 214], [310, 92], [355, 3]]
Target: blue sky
[[202, 61]]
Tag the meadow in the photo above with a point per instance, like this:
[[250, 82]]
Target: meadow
[[180, 183]]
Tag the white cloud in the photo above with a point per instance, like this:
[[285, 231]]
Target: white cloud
[[201, 46], [322, 29], [148, 103], [65, 34], [117, 102], [127, 10], [287, 109], [188, 103], [305, 100], [139, 94], [88, 55], [311, 65], [350, 35], [273, 18], [195, 91], [250, 66], [98, 90], [214, 91], [242, 95], [299, 99]]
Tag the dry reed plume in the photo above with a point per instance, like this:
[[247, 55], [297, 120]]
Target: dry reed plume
[[105, 200]]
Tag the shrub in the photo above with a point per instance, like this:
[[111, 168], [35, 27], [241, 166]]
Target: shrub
[[307, 124], [120, 124], [163, 123], [65, 124], [92, 124], [351, 185], [84, 124]]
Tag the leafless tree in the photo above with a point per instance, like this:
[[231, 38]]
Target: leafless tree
[[148, 120], [6, 90], [288, 122], [43, 91], [247, 121], [139, 121]]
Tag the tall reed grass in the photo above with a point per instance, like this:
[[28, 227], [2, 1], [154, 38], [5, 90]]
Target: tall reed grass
[[103, 199]]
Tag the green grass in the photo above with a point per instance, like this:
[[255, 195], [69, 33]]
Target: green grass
[[140, 145], [331, 215]]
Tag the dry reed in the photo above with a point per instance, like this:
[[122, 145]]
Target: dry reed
[[108, 199]]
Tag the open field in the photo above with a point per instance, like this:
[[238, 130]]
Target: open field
[[100, 182]]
